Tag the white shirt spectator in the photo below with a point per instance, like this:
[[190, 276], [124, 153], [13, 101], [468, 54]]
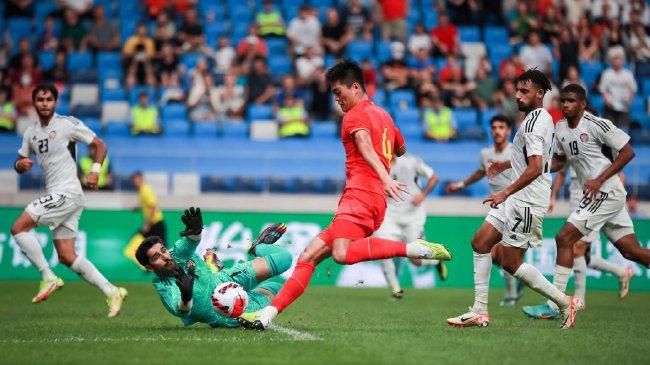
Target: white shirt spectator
[[640, 47], [576, 9], [80, 6], [643, 16], [620, 86], [223, 58], [613, 12], [305, 66], [419, 41], [538, 56], [305, 33]]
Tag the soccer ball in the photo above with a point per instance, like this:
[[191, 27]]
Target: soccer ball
[[230, 299]]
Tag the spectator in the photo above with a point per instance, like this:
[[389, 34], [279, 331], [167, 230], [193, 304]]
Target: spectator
[[165, 32], [104, 36], [167, 66], [552, 24], [191, 33], [419, 40], [396, 72], [24, 49], [439, 122], [144, 117], [463, 12], [139, 39], [307, 64], [292, 118], [230, 98], [335, 34], [486, 86], [252, 46], [635, 9], [369, 75], [640, 45], [523, 23], [260, 87], [555, 109], [171, 91], [536, 55], [7, 113], [444, 36], [23, 80], [506, 102], [80, 7], [573, 77], [19, 8], [73, 31], [565, 51], [457, 90], [105, 181], [156, 7], [203, 101], [617, 85], [393, 24], [357, 18], [58, 74], [511, 68], [49, 40], [140, 69], [304, 31], [575, 9], [588, 45], [321, 106], [224, 56], [152, 216], [289, 88], [633, 207], [269, 20], [613, 36], [606, 10]]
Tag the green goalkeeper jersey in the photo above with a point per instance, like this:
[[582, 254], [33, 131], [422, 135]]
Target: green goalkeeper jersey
[[204, 284]]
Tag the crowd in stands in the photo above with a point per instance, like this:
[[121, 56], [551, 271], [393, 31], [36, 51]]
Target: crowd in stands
[[440, 66]]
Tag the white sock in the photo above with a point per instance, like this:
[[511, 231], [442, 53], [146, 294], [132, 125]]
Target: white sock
[[599, 263], [511, 285], [482, 268], [388, 266], [560, 280], [580, 275], [429, 262], [417, 251], [32, 249], [89, 272], [536, 281]]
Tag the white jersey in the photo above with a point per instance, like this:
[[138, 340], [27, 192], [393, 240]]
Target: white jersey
[[488, 155], [534, 138], [408, 169], [54, 147], [590, 148]]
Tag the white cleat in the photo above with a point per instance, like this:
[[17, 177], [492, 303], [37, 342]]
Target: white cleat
[[624, 283], [469, 319], [259, 320], [568, 315], [115, 302]]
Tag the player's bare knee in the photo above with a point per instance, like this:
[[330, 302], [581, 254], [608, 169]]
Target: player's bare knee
[[307, 257], [67, 258], [562, 240], [339, 255], [479, 246]]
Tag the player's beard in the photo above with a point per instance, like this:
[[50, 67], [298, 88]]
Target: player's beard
[[46, 114], [524, 108]]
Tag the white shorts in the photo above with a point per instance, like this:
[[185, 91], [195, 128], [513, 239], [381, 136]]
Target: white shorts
[[401, 230], [517, 225], [575, 195], [607, 211], [56, 210]]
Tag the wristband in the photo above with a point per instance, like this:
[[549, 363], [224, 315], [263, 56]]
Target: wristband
[[460, 184], [96, 167]]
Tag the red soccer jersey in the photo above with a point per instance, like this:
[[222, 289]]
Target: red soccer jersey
[[385, 139]]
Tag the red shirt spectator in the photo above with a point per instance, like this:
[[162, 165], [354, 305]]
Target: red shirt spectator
[[445, 35], [393, 10]]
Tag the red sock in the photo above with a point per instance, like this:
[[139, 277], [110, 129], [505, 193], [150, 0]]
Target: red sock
[[373, 248], [295, 285]]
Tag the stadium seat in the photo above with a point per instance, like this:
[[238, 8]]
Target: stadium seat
[[78, 61], [110, 78], [117, 129], [18, 28], [31, 181], [62, 108], [205, 129], [498, 52], [116, 112], [189, 60], [411, 131], [212, 12], [401, 100], [133, 95], [46, 60], [466, 117], [645, 88], [359, 50], [290, 11], [277, 46], [382, 52], [260, 112], [638, 105], [323, 130], [214, 30], [235, 130], [379, 97], [590, 71], [248, 185], [280, 65], [469, 34], [280, 185], [430, 19], [216, 184], [84, 94], [176, 127], [174, 112], [108, 60], [495, 36], [407, 116], [322, 3], [113, 94], [597, 102]]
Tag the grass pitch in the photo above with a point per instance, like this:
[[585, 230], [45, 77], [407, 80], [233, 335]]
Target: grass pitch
[[326, 326]]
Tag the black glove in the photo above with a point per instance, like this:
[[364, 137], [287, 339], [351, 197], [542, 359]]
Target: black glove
[[185, 282], [193, 222]]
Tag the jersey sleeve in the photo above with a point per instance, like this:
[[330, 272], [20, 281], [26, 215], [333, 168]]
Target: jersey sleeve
[[170, 296], [399, 139], [481, 161], [148, 197], [80, 132], [184, 248], [353, 123], [609, 134], [25, 149], [534, 138], [422, 169], [559, 150]]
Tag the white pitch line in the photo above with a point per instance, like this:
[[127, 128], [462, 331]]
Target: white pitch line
[[295, 334], [76, 339]]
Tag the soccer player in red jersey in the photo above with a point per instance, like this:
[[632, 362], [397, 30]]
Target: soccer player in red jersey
[[371, 140]]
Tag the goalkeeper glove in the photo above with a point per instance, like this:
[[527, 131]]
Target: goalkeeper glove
[[193, 222], [185, 282]]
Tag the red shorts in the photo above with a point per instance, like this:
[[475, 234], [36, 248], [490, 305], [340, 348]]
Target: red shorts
[[358, 215]]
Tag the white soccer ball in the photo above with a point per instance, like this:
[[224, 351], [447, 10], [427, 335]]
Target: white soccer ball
[[230, 299]]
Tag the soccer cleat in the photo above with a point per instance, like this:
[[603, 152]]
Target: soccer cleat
[[624, 283], [542, 311], [212, 261], [269, 236], [115, 302], [443, 272], [252, 321], [46, 288], [398, 296], [436, 251], [509, 301], [569, 313], [469, 319]]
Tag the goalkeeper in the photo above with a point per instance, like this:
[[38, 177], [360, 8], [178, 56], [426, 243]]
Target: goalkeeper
[[185, 282]]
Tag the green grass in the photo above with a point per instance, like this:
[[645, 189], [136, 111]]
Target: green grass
[[354, 326]]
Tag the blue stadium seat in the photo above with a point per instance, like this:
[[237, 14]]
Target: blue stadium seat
[[248, 185], [382, 52], [108, 60], [323, 130], [214, 30], [240, 13], [495, 36], [212, 12], [322, 3], [62, 107], [430, 19], [280, 65], [645, 88], [205, 129], [498, 52], [117, 129], [411, 132], [260, 112], [590, 71], [18, 28], [110, 77], [277, 46], [380, 97], [78, 61], [290, 11], [597, 102], [113, 94], [174, 112], [359, 50], [638, 105], [466, 117], [235, 130], [128, 26], [176, 127], [46, 60], [402, 99], [216, 184], [189, 60], [469, 34], [407, 116]]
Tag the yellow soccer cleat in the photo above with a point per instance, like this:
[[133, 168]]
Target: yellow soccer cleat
[[115, 302], [624, 283], [443, 271], [437, 251], [251, 321], [46, 288]]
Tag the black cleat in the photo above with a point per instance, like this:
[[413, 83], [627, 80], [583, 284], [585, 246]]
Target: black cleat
[[398, 296]]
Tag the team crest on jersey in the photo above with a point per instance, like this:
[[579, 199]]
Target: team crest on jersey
[[52, 134], [584, 137]]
